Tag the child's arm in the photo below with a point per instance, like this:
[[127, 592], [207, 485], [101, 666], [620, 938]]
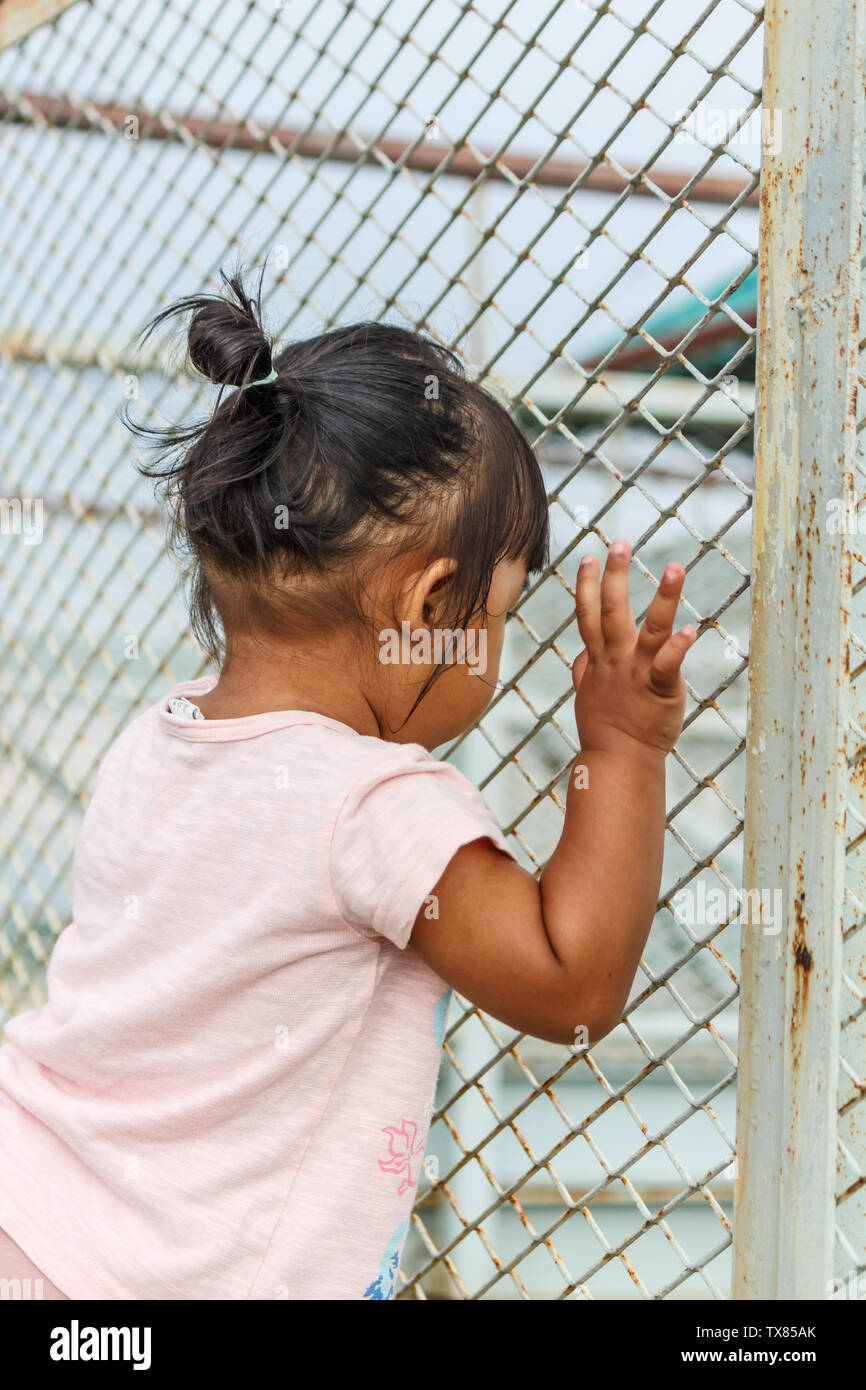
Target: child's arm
[[553, 955]]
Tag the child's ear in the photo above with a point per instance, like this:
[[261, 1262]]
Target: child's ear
[[437, 596], [423, 595]]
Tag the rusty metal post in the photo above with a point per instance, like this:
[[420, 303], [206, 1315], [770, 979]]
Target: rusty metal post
[[850, 1261], [796, 769]]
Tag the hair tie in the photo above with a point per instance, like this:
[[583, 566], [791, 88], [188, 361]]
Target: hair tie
[[262, 381]]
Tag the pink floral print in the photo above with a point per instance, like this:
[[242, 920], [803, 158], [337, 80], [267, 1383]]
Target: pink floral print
[[405, 1151]]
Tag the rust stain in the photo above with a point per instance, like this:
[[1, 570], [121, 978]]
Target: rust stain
[[804, 962], [524, 1219], [803, 956]]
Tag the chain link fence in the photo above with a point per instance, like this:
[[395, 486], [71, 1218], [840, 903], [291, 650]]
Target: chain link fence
[[567, 195]]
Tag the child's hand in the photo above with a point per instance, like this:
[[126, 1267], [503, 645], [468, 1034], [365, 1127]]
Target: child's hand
[[629, 690]]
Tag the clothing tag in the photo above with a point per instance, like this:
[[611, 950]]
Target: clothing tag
[[179, 704]]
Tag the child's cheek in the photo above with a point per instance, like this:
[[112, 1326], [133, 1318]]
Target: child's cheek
[[495, 643], [484, 667]]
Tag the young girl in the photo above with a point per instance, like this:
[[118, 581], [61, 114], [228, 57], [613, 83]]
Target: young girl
[[276, 885]]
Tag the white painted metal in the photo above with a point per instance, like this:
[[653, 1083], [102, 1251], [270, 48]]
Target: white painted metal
[[796, 768]]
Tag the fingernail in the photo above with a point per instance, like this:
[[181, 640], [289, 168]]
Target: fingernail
[[619, 549], [690, 632]]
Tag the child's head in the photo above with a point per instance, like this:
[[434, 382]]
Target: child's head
[[368, 493]]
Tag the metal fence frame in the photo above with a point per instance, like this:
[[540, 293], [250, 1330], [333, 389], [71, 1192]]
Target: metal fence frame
[[797, 773]]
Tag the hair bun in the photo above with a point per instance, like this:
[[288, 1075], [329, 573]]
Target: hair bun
[[226, 340]]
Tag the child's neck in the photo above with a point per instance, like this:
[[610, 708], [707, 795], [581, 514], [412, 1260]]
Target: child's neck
[[256, 681]]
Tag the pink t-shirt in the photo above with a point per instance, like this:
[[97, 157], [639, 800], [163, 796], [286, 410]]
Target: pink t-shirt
[[229, 1090]]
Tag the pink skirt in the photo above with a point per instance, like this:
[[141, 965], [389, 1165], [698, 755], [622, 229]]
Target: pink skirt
[[29, 1282]]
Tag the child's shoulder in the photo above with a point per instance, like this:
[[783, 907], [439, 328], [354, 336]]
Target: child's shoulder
[[297, 748], [304, 734], [353, 759]]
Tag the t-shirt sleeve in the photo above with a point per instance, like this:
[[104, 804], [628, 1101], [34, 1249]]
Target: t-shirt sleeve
[[394, 836]]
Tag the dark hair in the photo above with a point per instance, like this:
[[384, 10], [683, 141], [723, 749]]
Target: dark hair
[[367, 434]]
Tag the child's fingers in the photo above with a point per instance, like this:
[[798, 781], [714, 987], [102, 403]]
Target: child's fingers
[[587, 602], [578, 669], [665, 670], [617, 619], [658, 624]]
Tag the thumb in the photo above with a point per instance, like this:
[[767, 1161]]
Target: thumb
[[579, 668], [665, 670]]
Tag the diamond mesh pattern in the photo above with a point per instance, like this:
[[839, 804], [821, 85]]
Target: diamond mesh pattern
[[514, 178]]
